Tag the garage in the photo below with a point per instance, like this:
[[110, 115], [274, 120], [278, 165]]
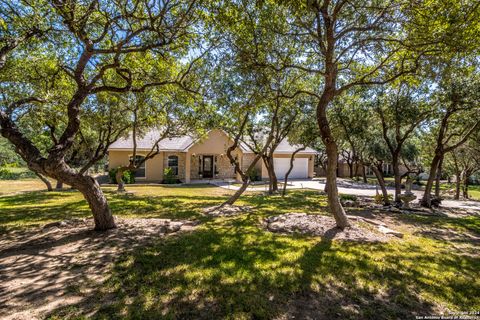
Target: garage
[[299, 171]]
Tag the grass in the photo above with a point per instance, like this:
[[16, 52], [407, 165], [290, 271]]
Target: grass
[[473, 190], [23, 185], [15, 173], [232, 268]]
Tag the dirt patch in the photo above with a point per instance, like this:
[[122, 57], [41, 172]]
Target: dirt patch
[[44, 268], [323, 226], [226, 210]]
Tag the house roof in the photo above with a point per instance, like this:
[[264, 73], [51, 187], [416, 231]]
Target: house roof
[[183, 143], [147, 141], [286, 147]]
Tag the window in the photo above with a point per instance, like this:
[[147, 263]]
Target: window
[[140, 172], [173, 163]]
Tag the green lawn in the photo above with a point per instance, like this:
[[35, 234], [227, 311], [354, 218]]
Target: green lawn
[[473, 190], [232, 268]]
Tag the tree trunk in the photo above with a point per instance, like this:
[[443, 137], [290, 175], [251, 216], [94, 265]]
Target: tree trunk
[[44, 180], [458, 182], [59, 185], [427, 199], [398, 180], [292, 159], [332, 155], [381, 181], [350, 169], [90, 190], [245, 176], [356, 171], [466, 175], [438, 177], [237, 193], [97, 202], [119, 178], [364, 174], [272, 177]]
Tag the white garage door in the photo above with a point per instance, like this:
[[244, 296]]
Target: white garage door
[[299, 171]]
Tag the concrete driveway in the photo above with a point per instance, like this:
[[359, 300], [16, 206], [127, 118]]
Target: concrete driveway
[[358, 189]]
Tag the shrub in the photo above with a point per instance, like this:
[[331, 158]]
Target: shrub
[[169, 176], [254, 175], [15, 173], [380, 199], [128, 176], [6, 174], [345, 197]]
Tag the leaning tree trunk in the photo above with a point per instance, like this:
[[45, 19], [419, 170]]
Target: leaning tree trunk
[[237, 193], [427, 198], [381, 182], [44, 180], [97, 202], [90, 190], [292, 159], [332, 153]]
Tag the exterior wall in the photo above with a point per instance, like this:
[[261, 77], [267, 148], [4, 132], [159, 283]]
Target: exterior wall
[[118, 158], [310, 163], [216, 145], [247, 160], [217, 142], [181, 163], [153, 166]]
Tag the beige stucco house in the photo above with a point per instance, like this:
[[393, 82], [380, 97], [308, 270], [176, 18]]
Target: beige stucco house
[[205, 158]]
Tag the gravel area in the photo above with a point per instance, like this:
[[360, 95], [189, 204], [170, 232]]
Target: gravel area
[[226, 210], [323, 226]]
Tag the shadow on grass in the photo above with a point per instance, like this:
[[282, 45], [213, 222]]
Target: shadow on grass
[[230, 268], [296, 201], [34, 208]]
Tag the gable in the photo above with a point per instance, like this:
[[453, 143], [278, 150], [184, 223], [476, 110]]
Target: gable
[[216, 142]]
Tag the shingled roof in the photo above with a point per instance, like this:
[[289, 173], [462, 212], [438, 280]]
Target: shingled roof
[[184, 142], [147, 141]]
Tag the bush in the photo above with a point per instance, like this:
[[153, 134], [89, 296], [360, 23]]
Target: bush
[[345, 197], [15, 173], [380, 199], [169, 177], [6, 174], [254, 175], [128, 176]]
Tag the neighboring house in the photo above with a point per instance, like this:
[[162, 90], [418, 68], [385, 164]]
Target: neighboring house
[[206, 158], [343, 170]]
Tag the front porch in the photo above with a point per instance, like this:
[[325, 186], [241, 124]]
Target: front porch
[[208, 168]]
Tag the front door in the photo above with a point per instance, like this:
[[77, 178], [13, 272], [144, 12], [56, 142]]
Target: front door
[[208, 166]]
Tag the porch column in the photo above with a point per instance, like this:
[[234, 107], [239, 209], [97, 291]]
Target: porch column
[[188, 159]]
